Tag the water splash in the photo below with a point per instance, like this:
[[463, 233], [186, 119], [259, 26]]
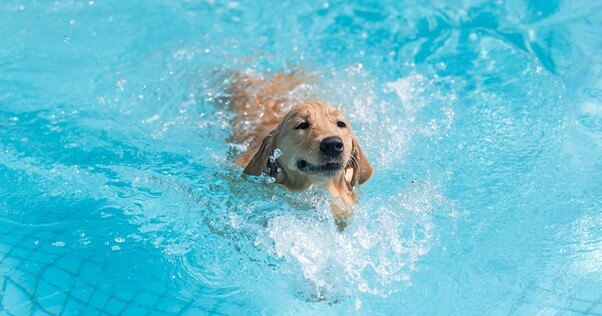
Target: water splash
[[377, 252]]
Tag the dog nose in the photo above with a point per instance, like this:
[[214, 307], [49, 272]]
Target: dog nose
[[331, 146]]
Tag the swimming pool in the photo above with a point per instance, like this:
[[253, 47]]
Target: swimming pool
[[483, 121]]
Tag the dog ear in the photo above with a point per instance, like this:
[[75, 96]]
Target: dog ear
[[262, 162], [362, 170]]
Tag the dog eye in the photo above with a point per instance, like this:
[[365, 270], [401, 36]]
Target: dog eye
[[341, 124], [303, 125]]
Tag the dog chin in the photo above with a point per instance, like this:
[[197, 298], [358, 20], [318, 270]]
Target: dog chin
[[328, 170]]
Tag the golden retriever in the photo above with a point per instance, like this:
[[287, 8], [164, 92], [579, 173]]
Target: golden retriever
[[298, 143]]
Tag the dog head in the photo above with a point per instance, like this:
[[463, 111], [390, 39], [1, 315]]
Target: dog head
[[312, 144]]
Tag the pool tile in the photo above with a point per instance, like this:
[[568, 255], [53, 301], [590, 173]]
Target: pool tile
[[7, 239], [114, 306], [55, 247], [528, 309], [134, 310], [42, 257], [90, 271], [43, 235], [45, 289], [57, 277], [589, 295], [73, 307], [126, 296], [596, 310], [25, 280], [30, 243], [31, 267], [49, 297], [549, 310], [82, 293], [169, 305], [20, 252], [571, 313], [99, 300], [14, 297], [146, 299], [191, 311], [69, 264], [9, 262], [581, 305]]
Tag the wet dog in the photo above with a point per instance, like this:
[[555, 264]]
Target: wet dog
[[296, 142]]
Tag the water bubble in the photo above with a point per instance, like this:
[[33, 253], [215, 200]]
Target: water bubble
[[121, 84], [58, 244], [277, 153]]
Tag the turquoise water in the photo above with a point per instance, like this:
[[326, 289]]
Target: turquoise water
[[483, 121]]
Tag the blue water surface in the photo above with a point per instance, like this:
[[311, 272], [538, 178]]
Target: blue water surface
[[482, 119]]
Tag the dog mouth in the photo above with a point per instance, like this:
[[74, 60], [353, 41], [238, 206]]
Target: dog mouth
[[328, 168]]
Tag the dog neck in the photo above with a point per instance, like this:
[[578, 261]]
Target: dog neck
[[337, 186], [339, 189]]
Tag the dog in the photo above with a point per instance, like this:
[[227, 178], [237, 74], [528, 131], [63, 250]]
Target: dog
[[296, 142]]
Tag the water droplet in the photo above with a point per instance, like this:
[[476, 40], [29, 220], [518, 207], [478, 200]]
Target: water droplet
[[121, 84], [277, 153]]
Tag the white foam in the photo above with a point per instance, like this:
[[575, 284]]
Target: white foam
[[375, 254]]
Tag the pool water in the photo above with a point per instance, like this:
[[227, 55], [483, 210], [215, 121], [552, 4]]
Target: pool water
[[482, 120]]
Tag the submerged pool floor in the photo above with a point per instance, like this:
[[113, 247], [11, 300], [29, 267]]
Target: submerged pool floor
[[482, 120]]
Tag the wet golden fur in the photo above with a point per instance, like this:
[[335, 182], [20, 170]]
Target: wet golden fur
[[267, 116]]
